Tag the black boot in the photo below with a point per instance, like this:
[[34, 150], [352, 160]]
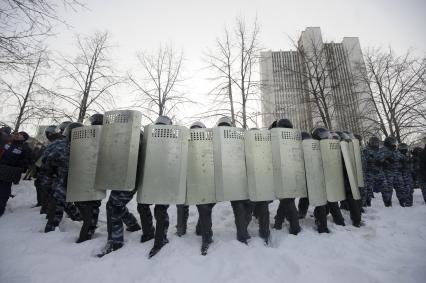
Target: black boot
[[133, 228], [335, 212], [86, 232], [302, 207], [320, 214], [182, 219], [162, 225], [148, 229], [109, 247], [388, 203], [291, 215], [205, 246]]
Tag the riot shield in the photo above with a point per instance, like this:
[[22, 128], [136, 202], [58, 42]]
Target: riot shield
[[229, 164], [41, 135], [259, 165], [200, 188], [165, 165], [84, 151], [349, 159], [118, 151], [314, 172], [333, 170], [358, 163], [288, 164]]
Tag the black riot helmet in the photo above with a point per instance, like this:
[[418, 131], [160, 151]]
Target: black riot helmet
[[321, 133], [335, 136], [284, 123], [96, 119], [343, 136], [69, 128], [6, 130], [390, 142], [51, 133], [62, 126], [224, 122], [273, 125], [417, 151], [163, 120], [350, 135], [306, 136], [197, 125], [374, 142], [403, 148]]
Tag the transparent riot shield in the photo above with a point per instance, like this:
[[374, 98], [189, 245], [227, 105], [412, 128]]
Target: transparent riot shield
[[315, 181], [118, 151], [229, 164], [358, 163], [165, 166], [259, 165], [333, 170], [349, 159], [41, 135], [84, 149], [200, 188], [288, 164]]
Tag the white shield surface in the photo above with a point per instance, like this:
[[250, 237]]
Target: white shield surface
[[260, 172], [358, 163], [200, 188], [84, 151], [349, 159], [229, 164], [165, 166], [314, 172], [288, 164], [333, 170], [118, 151]]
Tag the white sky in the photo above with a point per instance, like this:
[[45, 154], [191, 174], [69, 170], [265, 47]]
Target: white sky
[[193, 26]]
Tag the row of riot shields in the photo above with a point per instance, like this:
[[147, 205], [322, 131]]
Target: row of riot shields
[[176, 165]]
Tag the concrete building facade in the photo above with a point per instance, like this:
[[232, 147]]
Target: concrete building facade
[[317, 85]]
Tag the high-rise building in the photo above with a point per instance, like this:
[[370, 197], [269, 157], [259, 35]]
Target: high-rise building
[[317, 85]]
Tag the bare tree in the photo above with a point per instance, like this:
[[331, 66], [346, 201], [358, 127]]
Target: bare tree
[[248, 49], [88, 79], [398, 92], [24, 25], [26, 96], [159, 84], [221, 61], [234, 61]]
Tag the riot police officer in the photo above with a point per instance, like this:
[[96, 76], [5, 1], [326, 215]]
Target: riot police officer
[[43, 181], [373, 170], [242, 208], [57, 161], [352, 204], [389, 158], [287, 207], [89, 210], [160, 210], [117, 214]]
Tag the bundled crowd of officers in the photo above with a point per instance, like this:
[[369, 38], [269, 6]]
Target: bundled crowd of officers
[[386, 168]]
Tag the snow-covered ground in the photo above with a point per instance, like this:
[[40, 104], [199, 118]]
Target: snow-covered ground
[[391, 247]]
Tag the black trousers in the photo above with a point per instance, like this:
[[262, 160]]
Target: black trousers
[[261, 210], [162, 223], [204, 224], [5, 191], [242, 214], [287, 209]]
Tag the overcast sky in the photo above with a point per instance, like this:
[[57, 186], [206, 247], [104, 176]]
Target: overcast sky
[[193, 26]]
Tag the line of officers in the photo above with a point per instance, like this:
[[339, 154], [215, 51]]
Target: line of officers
[[52, 176]]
